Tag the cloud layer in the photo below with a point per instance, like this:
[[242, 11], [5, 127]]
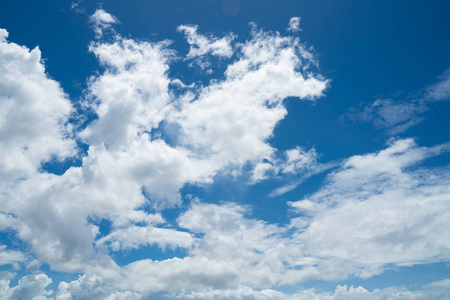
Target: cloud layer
[[152, 135]]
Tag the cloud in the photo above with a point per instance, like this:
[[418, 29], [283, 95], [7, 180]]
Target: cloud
[[132, 98], [34, 112], [28, 287], [294, 24], [231, 120], [375, 211], [440, 90], [137, 236], [378, 209], [340, 293], [298, 160], [101, 20], [131, 164], [10, 256], [201, 45], [295, 161], [151, 138], [397, 116]]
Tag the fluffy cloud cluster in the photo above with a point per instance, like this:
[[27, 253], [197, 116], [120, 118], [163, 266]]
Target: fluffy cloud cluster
[[150, 139], [34, 112], [33, 287], [202, 45]]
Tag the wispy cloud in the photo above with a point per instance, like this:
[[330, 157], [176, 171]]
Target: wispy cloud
[[320, 168], [397, 116], [294, 24]]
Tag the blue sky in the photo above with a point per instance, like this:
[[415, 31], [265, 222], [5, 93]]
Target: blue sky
[[224, 150]]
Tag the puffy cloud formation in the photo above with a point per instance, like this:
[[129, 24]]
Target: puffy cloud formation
[[28, 287], [34, 112], [32, 287], [340, 293], [153, 135], [202, 45]]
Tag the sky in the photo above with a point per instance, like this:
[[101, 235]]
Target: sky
[[224, 149]]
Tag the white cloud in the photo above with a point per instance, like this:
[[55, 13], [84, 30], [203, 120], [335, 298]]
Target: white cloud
[[298, 160], [395, 117], [10, 256], [222, 127], [231, 120], [6, 221], [440, 90], [226, 124], [147, 143], [28, 287], [33, 287], [101, 20], [92, 287], [317, 169], [340, 293], [137, 236], [76, 6], [294, 24], [261, 171], [398, 116], [33, 113], [377, 211], [202, 45]]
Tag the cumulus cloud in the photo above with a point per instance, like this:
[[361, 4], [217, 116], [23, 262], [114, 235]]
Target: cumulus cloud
[[34, 112], [340, 293], [147, 142], [298, 159], [376, 210], [440, 90], [10, 256], [202, 45], [231, 120], [33, 287], [28, 287], [394, 117], [137, 236], [130, 163], [76, 6]]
